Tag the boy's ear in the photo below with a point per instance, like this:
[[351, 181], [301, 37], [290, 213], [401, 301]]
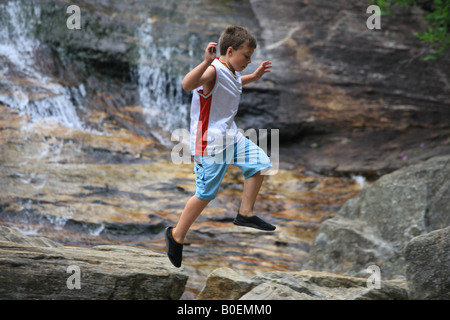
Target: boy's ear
[[230, 50]]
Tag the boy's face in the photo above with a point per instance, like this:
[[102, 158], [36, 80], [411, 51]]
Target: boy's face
[[241, 57]]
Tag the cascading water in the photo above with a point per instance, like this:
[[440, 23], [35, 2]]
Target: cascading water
[[160, 90], [28, 87], [22, 85]]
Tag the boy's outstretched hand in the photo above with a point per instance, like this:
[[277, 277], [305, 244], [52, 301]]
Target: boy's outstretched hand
[[263, 68]]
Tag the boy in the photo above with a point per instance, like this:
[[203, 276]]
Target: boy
[[215, 141]]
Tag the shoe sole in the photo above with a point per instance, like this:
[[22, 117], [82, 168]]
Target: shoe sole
[[252, 226]]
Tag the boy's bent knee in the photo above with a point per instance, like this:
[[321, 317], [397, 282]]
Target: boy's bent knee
[[202, 197]]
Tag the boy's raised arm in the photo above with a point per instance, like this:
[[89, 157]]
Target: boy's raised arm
[[198, 76]]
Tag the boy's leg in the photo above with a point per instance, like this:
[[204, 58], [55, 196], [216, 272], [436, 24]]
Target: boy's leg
[[175, 236], [255, 160], [251, 190], [191, 211], [210, 173]]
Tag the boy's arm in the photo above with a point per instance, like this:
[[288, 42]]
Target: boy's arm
[[263, 68], [201, 75]]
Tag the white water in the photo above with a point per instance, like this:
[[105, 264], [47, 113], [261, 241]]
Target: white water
[[160, 90], [361, 180], [22, 85]]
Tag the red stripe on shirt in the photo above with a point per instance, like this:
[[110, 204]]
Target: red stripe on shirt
[[202, 127], [201, 141]]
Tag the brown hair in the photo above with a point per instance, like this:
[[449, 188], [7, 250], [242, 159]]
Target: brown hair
[[235, 37]]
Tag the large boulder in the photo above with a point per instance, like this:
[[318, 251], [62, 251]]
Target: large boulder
[[299, 285], [38, 268], [375, 227], [428, 265]]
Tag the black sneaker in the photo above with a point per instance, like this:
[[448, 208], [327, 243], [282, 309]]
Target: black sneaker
[[253, 222], [174, 249]]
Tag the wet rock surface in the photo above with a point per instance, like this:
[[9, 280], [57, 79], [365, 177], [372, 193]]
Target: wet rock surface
[[86, 189]]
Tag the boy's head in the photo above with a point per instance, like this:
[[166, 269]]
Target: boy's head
[[237, 39]]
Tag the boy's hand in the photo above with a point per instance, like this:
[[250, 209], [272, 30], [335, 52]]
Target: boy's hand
[[210, 52], [263, 68]]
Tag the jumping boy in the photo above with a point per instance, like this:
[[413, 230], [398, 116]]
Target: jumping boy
[[215, 141]]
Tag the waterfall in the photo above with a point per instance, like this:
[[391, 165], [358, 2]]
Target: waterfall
[[26, 87], [22, 85], [160, 90]]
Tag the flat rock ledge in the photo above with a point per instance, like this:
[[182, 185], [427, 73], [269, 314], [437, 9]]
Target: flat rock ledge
[[39, 268], [226, 284]]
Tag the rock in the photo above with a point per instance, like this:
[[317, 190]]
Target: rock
[[329, 286], [10, 235], [351, 92], [302, 285], [428, 265], [224, 284], [39, 269], [376, 226], [274, 291]]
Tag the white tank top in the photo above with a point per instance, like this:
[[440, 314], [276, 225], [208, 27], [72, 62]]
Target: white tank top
[[212, 113]]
